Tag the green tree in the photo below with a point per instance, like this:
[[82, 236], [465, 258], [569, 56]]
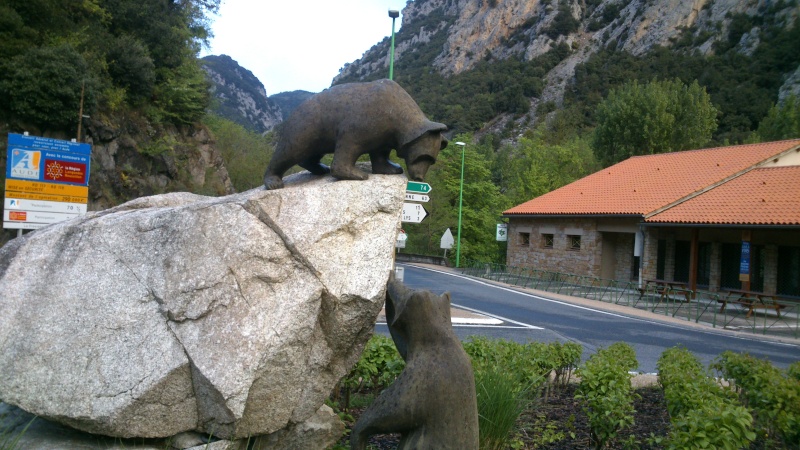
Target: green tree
[[246, 154], [782, 121], [482, 204], [42, 87], [657, 117], [533, 167], [183, 95], [131, 68]]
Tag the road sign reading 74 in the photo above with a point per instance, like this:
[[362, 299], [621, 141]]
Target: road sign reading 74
[[418, 187]]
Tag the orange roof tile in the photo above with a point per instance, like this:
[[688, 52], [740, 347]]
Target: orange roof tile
[[767, 196], [643, 184]]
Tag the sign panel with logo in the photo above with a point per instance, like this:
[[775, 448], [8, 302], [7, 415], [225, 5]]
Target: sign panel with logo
[[744, 262], [502, 232], [46, 181]]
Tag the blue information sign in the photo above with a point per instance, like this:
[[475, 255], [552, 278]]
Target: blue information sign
[[48, 160], [744, 263]]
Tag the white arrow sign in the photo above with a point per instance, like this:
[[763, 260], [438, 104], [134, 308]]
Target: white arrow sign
[[413, 213], [417, 197], [447, 239]]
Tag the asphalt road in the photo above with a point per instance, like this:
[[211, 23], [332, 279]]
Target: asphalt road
[[527, 317]]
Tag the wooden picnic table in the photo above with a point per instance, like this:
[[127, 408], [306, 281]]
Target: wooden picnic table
[[751, 300], [666, 287]]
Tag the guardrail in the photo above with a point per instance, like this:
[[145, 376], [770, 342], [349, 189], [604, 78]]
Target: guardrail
[[702, 307]]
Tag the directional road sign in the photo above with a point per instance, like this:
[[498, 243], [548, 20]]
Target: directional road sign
[[418, 187], [417, 198], [413, 213]]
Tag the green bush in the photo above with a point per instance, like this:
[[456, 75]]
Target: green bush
[[380, 364], [702, 413], [606, 392], [530, 364], [771, 394]]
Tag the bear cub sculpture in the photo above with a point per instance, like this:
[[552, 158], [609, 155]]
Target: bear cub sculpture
[[351, 120], [432, 404]]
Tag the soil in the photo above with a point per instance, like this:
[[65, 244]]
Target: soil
[[557, 422]]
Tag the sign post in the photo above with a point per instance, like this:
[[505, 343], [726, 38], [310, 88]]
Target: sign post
[[417, 187], [447, 241], [413, 213], [415, 192], [47, 181]]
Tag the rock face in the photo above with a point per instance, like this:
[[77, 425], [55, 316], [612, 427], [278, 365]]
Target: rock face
[[233, 316], [462, 33], [241, 97]]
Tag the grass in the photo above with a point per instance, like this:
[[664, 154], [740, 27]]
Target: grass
[[9, 437], [501, 401]]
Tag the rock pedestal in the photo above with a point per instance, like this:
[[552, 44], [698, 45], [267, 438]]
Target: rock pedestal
[[231, 316]]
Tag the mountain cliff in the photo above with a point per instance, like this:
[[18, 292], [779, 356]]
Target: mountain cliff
[[449, 38], [240, 97]]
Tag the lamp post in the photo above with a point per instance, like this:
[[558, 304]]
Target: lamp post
[[394, 14], [460, 203]]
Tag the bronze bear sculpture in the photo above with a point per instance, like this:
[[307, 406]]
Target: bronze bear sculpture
[[432, 404], [351, 120]]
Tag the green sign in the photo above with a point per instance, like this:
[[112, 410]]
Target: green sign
[[418, 188]]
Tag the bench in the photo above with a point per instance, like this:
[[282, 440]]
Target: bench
[[664, 288], [751, 300]]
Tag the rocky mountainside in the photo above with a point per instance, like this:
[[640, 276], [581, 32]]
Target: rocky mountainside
[[288, 101], [454, 36], [241, 97]]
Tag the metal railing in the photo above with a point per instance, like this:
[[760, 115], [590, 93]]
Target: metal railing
[[705, 307]]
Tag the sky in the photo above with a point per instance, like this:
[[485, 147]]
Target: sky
[[299, 44]]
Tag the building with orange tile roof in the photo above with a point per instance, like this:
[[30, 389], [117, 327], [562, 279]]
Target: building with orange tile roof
[[679, 216]]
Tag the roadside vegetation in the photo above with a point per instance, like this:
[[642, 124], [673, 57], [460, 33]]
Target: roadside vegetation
[[546, 396]]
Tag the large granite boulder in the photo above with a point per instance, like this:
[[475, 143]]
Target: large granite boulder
[[231, 316]]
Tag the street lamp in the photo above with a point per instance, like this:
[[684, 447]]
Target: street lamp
[[460, 202], [394, 14]]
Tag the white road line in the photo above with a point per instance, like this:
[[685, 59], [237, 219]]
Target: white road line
[[476, 311]]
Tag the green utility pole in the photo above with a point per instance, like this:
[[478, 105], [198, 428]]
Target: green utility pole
[[394, 14], [460, 202]]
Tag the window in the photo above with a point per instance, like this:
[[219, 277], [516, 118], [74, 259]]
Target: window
[[524, 239], [547, 241], [574, 242]]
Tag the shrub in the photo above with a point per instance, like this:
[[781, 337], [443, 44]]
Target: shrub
[[606, 391], [380, 364], [530, 363], [702, 413], [772, 395]]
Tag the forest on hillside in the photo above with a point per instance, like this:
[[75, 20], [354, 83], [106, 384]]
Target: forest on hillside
[[114, 56], [126, 58]]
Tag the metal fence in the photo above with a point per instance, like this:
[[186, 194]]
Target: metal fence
[[706, 307]]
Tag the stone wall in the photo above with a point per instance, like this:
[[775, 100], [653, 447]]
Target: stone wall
[[527, 248], [623, 255]]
